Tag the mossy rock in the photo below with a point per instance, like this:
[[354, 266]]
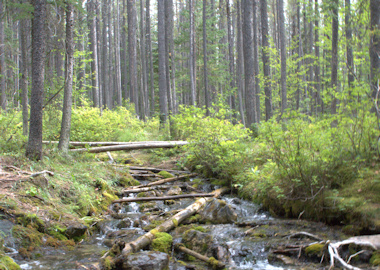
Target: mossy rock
[[162, 242], [31, 220], [165, 174], [7, 263], [57, 232], [27, 236], [375, 259], [314, 250], [153, 224]]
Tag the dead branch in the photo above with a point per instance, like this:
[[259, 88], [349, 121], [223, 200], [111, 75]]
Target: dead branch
[[175, 197], [159, 182], [211, 261], [43, 172], [311, 236]]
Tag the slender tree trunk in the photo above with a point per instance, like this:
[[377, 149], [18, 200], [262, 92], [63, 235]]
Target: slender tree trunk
[[131, 10], [192, 56], [281, 23], [118, 88], [375, 46], [265, 59], [24, 75], [256, 60], [168, 34], [250, 95], [162, 63], [334, 55], [317, 61], [94, 51], [68, 91], [34, 146], [3, 97], [350, 56], [150, 56], [105, 70], [240, 62], [124, 58], [59, 61], [100, 54], [205, 73], [231, 57], [144, 72]]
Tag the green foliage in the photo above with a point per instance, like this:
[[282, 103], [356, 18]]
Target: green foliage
[[7, 263], [217, 146], [11, 138]]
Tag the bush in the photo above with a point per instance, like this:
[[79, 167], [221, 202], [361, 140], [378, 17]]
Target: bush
[[217, 147]]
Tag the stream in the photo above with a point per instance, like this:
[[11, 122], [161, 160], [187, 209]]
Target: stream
[[244, 247]]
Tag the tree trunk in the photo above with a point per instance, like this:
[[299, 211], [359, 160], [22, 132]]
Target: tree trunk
[[24, 75], [105, 70], [144, 72], [256, 60], [334, 55], [265, 59], [250, 95], [131, 10], [124, 58], [205, 73], [192, 55], [34, 146], [240, 62], [91, 7], [168, 36], [349, 53], [150, 57], [68, 91], [317, 61], [3, 97], [164, 198], [375, 46], [118, 88], [60, 45], [162, 63], [281, 23], [231, 57]]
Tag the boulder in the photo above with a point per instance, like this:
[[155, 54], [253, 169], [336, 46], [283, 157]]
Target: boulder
[[146, 260], [198, 241], [217, 212], [176, 190], [76, 231]]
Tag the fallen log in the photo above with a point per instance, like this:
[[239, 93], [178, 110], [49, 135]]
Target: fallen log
[[159, 182], [165, 187], [212, 261], [154, 170], [85, 144], [174, 197], [131, 146], [169, 224]]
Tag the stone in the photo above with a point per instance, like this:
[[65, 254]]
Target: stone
[[176, 190], [146, 260], [198, 241], [76, 231], [217, 212]]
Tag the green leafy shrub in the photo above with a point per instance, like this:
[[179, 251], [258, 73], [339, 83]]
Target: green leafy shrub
[[217, 147], [11, 138]]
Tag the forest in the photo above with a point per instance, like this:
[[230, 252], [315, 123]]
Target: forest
[[274, 102]]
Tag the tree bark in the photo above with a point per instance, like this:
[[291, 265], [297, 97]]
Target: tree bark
[[240, 62], [281, 22], [34, 146], [91, 7], [265, 59], [192, 55], [150, 56], [68, 88], [256, 60], [205, 73], [131, 10], [105, 70], [374, 50], [118, 88], [349, 53], [250, 95], [163, 181], [162, 80], [24, 75], [168, 225], [334, 55], [3, 96], [317, 61], [144, 72]]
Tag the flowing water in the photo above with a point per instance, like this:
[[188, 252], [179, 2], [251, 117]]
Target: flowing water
[[244, 251]]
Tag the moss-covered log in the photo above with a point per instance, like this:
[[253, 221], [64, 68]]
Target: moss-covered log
[[163, 181], [212, 261]]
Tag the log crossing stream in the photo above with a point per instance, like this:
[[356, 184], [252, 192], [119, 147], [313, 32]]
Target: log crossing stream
[[234, 231]]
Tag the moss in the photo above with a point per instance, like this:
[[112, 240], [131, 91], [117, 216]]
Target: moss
[[190, 258], [195, 218], [175, 222], [7, 263], [28, 237], [200, 228], [31, 220], [314, 250], [162, 242], [57, 232], [107, 263], [110, 196], [375, 259], [153, 225], [165, 174], [213, 262]]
